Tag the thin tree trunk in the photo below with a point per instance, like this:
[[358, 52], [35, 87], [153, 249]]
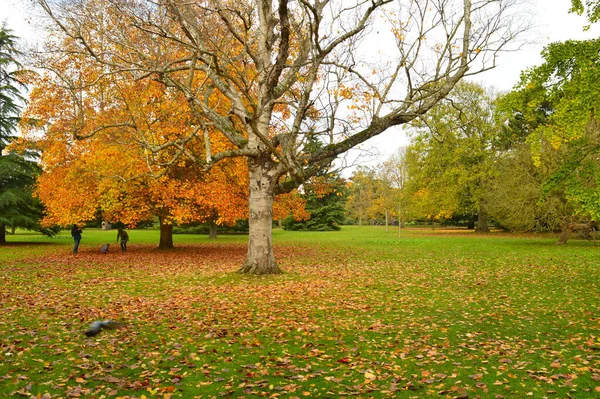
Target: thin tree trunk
[[166, 235], [399, 219], [260, 258], [2, 233], [566, 229], [386, 221], [212, 231]]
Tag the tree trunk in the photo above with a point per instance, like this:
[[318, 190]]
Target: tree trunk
[[482, 226], [2, 233], [399, 219], [386, 221], [212, 231], [260, 258], [166, 235], [566, 229], [471, 224]]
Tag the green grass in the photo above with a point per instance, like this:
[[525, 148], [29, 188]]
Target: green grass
[[358, 313]]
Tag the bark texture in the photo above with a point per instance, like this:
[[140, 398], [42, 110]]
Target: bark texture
[[166, 235], [585, 230], [212, 231], [260, 258], [565, 232], [482, 226]]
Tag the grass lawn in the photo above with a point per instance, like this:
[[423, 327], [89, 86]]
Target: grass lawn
[[358, 313]]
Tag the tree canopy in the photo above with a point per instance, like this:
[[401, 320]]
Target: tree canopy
[[557, 102], [283, 69], [18, 208], [453, 155]]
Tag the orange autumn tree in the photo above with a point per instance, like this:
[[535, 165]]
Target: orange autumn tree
[[110, 170], [257, 56]]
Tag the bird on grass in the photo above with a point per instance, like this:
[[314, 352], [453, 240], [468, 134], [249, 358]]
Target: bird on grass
[[98, 326]]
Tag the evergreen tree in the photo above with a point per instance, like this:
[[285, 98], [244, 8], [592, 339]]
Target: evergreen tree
[[10, 87], [325, 197], [18, 208]]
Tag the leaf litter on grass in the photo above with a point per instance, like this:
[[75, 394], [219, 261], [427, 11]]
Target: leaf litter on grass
[[342, 322]]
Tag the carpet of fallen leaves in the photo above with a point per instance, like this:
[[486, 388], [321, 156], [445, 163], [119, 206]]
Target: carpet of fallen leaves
[[388, 319]]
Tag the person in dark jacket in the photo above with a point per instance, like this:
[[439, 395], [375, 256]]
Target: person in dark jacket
[[76, 233], [124, 237]]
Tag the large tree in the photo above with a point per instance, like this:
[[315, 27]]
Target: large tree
[[557, 103], [372, 194], [110, 174], [362, 195], [287, 68], [457, 142], [396, 171], [18, 208]]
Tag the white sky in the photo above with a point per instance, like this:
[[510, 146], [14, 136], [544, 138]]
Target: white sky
[[552, 23]]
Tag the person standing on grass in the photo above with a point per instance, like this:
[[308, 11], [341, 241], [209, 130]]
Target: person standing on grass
[[124, 237], [76, 233]]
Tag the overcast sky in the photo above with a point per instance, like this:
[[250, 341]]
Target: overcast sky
[[552, 23]]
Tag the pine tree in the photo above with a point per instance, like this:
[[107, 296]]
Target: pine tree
[[18, 208], [10, 87]]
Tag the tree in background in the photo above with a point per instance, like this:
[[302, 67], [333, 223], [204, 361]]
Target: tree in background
[[325, 196], [113, 175], [285, 69], [454, 154], [433, 195], [18, 208], [361, 204], [385, 201], [396, 170], [517, 200], [591, 9], [565, 143]]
